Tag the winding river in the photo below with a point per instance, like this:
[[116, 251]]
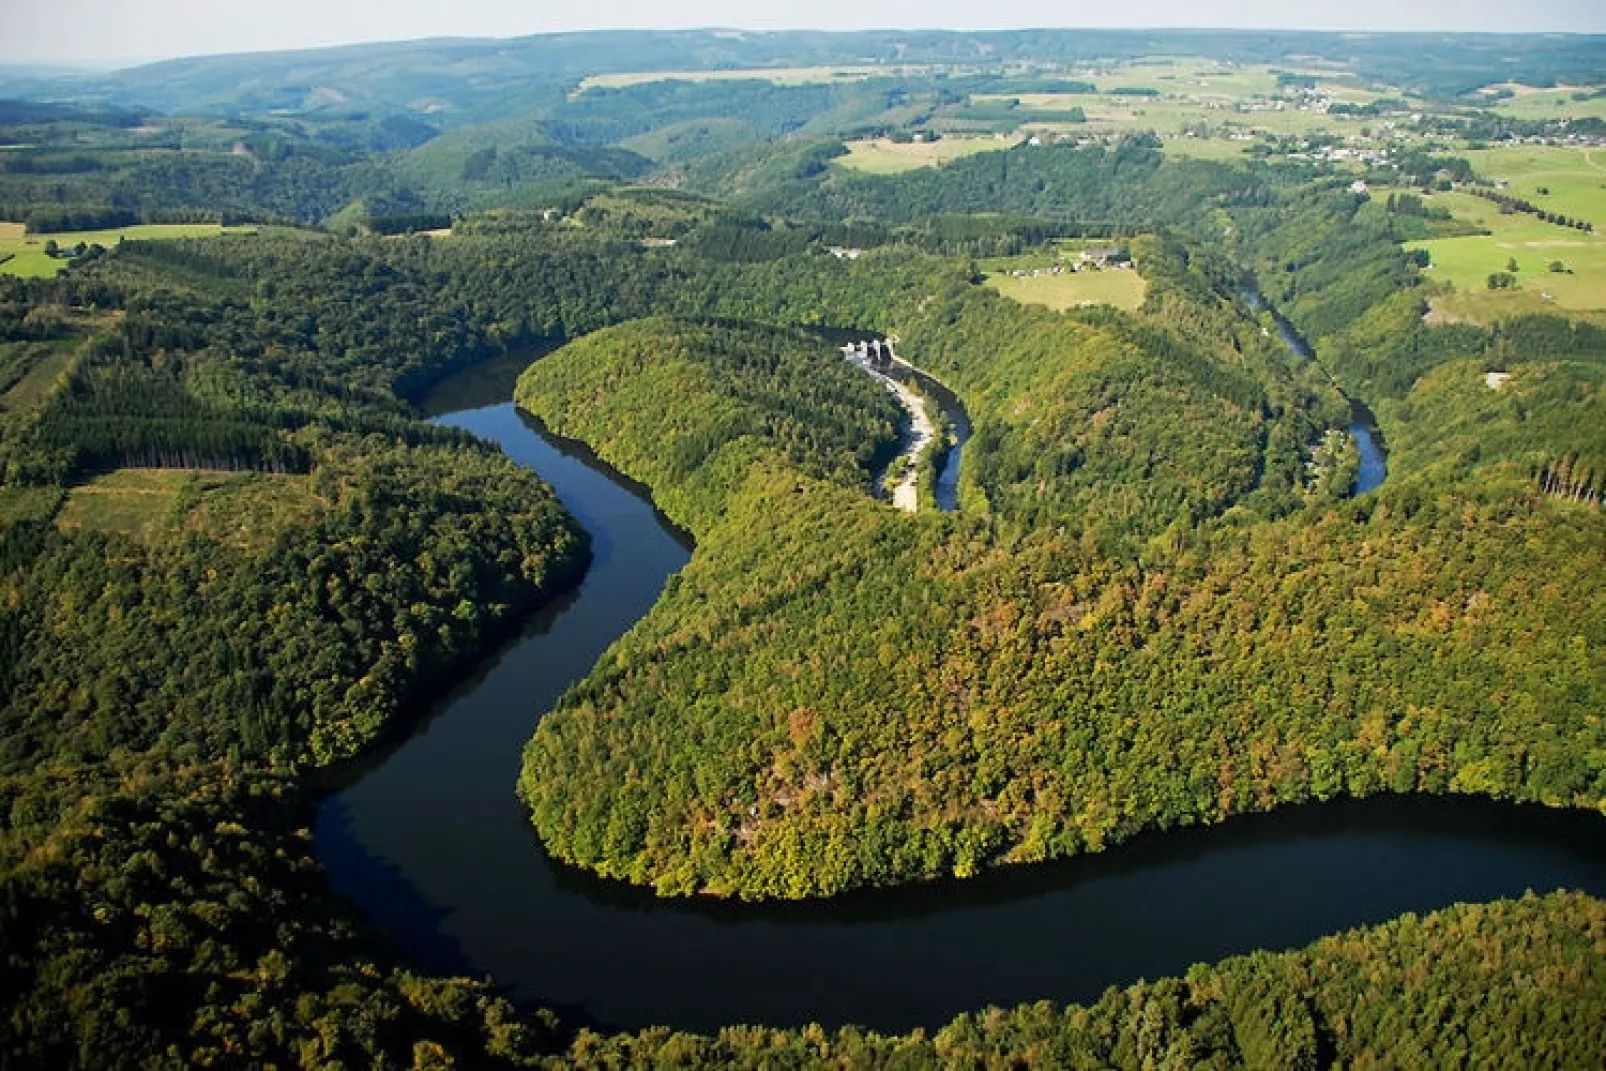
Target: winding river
[[1373, 469], [430, 841]]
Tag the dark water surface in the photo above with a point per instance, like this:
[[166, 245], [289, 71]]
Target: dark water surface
[[433, 845]]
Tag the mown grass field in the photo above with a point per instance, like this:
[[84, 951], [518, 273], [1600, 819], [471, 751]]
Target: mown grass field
[[1220, 149], [1575, 177], [1533, 103], [240, 508], [884, 157], [1121, 287], [24, 254], [1466, 263]]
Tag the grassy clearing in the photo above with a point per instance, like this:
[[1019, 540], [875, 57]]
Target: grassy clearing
[[1224, 150], [45, 361], [27, 251], [1122, 287], [1533, 103], [884, 157], [1575, 177], [241, 509], [1488, 307], [1466, 263]]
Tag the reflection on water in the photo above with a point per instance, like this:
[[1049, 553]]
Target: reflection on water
[[432, 843]]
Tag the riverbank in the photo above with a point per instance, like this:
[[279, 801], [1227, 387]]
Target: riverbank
[[436, 849], [906, 492], [904, 487]]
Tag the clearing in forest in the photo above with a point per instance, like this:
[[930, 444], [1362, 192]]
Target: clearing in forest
[[24, 254], [1047, 278], [882, 156], [245, 509]]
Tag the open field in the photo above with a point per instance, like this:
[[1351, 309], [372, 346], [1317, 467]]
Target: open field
[[1488, 307], [1533, 103], [1207, 78], [1466, 263], [27, 251], [884, 157], [1122, 287], [1197, 95], [1575, 177], [783, 76], [1220, 149], [241, 508]]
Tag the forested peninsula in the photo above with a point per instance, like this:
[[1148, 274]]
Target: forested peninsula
[[236, 561]]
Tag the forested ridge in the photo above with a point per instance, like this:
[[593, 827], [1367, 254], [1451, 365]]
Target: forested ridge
[[164, 698], [1154, 608], [1145, 618]]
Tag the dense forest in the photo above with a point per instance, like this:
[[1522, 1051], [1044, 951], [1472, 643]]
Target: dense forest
[[235, 559], [1225, 660]]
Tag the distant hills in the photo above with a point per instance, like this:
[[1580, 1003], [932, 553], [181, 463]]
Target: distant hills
[[456, 80]]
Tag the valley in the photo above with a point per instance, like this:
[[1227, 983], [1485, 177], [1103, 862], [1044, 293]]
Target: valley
[[480, 589]]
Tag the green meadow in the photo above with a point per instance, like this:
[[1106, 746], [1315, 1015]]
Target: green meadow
[[1559, 103], [1574, 179], [23, 254], [1467, 262], [1124, 288], [246, 509]]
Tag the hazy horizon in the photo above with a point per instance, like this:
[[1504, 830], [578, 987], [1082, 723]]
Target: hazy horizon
[[102, 34]]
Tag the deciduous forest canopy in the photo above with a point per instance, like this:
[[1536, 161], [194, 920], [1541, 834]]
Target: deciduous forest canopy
[[235, 557]]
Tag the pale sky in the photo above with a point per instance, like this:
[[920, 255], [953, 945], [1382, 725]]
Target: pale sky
[[107, 31]]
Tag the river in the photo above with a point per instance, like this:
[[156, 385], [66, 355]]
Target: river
[[1373, 469], [430, 841]]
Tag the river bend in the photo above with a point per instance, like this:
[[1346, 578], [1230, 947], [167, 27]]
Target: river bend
[[430, 841]]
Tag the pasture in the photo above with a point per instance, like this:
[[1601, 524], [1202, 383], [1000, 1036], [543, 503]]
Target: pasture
[[1488, 307], [1574, 177], [23, 254], [1222, 150], [1559, 103], [1122, 287], [882, 156], [1467, 262]]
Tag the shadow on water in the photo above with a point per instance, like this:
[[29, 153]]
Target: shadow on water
[[484, 383], [432, 843]]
